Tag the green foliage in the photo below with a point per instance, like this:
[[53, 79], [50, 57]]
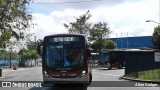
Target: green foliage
[[22, 51], [156, 36], [80, 26], [99, 31], [14, 19], [109, 44], [28, 55], [95, 33], [31, 45], [95, 46], [34, 54], [149, 75], [5, 55], [102, 45]]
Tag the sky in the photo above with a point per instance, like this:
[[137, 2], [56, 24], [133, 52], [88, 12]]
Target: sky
[[124, 17]]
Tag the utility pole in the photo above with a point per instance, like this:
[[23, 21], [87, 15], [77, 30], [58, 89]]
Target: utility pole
[[10, 56]]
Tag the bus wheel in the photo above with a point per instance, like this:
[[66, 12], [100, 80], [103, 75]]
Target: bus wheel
[[110, 68], [90, 78], [120, 66]]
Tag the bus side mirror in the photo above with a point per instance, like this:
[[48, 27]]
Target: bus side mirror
[[88, 53], [39, 49]]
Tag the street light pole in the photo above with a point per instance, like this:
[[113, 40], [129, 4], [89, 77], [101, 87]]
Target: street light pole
[[153, 21], [10, 57]]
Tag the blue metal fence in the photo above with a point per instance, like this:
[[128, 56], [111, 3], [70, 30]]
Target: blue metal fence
[[134, 42]]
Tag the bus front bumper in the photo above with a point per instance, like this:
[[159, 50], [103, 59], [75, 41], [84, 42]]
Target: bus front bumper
[[79, 80]]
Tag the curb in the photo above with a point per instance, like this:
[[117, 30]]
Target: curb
[[140, 80]]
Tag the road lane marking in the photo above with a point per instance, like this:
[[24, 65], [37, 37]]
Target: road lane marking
[[108, 74]]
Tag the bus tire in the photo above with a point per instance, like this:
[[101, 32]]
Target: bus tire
[[45, 82], [110, 68], [90, 79], [120, 66]]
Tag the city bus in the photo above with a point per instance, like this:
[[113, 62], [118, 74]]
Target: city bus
[[112, 58], [65, 59], [104, 59], [95, 58]]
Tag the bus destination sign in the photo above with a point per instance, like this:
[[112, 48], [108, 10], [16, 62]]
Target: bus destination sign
[[64, 39]]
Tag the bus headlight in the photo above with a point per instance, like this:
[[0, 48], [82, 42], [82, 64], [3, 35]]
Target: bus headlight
[[83, 72], [45, 73]]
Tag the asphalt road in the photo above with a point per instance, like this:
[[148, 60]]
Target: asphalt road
[[103, 79]]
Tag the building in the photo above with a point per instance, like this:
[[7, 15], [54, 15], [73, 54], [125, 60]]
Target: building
[[134, 42]]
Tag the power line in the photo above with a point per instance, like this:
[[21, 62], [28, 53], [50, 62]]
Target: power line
[[84, 1]]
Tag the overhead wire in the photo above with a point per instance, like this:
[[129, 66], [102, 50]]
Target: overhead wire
[[84, 1]]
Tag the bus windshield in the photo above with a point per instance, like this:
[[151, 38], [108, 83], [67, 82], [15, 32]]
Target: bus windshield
[[104, 56], [64, 52]]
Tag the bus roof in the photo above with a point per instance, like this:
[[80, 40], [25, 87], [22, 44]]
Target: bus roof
[[65, 35]]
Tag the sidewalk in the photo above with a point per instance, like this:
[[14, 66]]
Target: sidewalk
[[18, 68], [8, 70]]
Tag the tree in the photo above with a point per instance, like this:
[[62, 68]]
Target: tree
[[14, 20], [105, 44], [6, 55], [95, 45], [98, 33], [156, 36], [109, 44], [31, 45], [30, 55], [27, 56], [34, 56], [21, 51], [80, 26], [23, 58]]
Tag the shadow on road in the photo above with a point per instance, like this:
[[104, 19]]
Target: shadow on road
[[109, 69]]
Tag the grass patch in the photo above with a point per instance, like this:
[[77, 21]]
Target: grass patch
[[150, 75], [153, 75]]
